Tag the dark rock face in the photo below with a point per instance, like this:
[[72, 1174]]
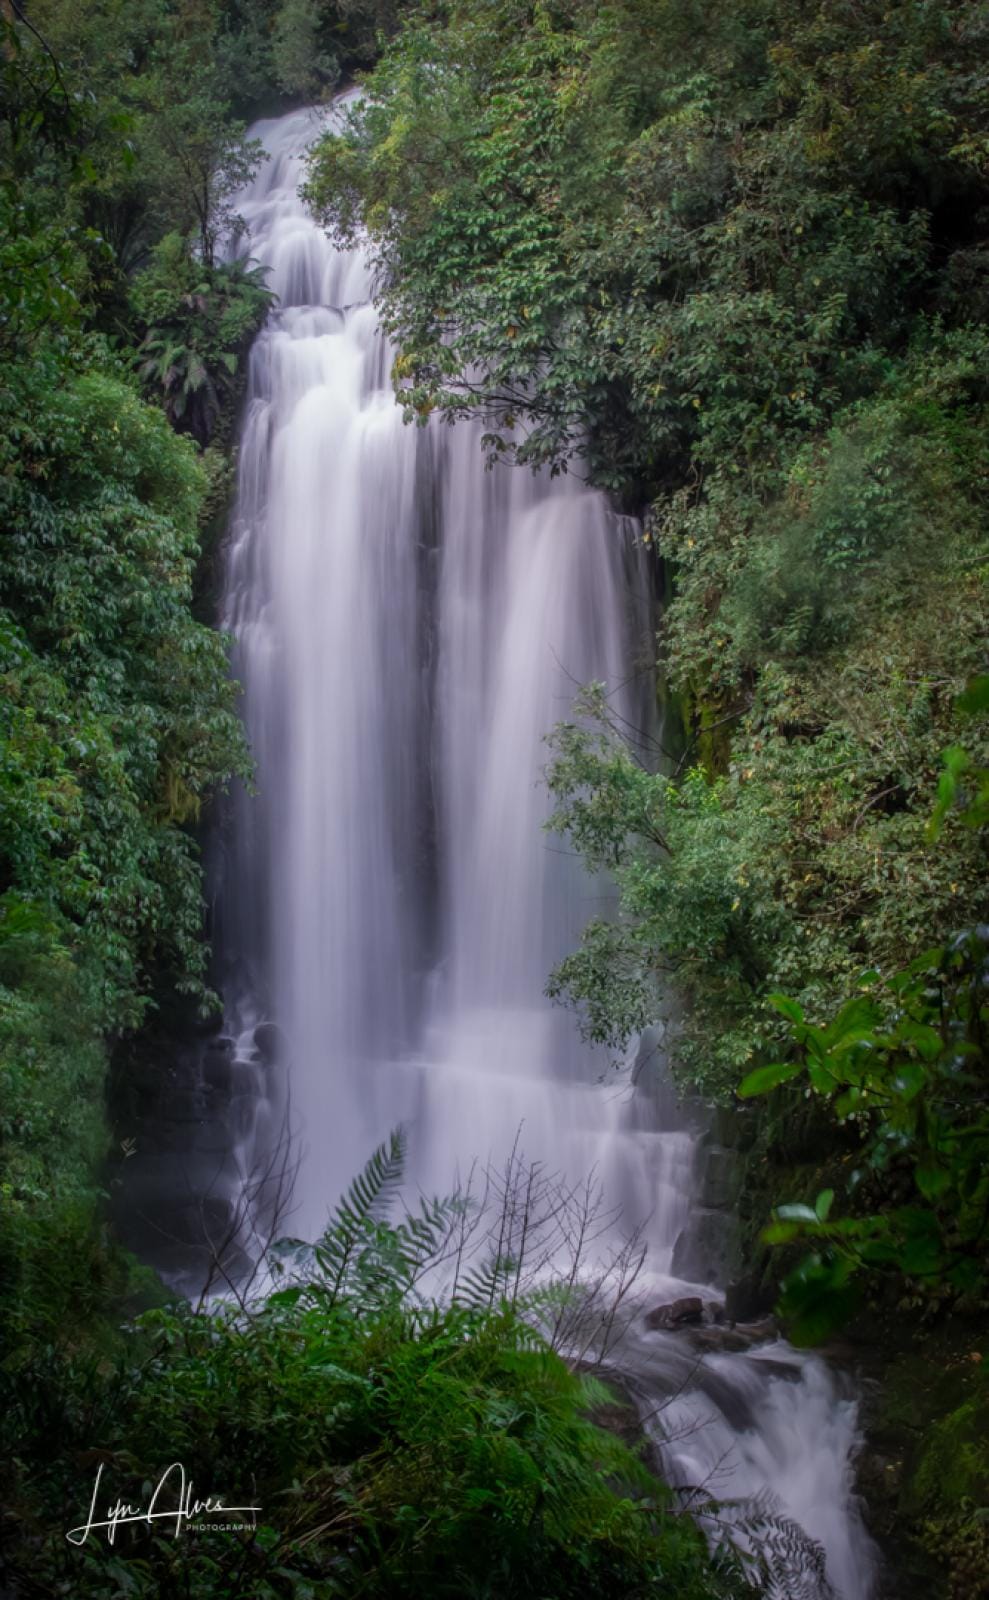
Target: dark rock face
[[270, 1043], [708, 1249], [748, 1299], [184, 1104], [677, 1314], [721, 1178]]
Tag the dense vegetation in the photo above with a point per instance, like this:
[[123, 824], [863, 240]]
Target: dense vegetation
[[389, 1446], [729, 261]]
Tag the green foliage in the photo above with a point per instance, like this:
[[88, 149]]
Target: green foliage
[[118, 711], [302, 66], [954, 1466], [117, 716], [822, 631], [696, 876], [903, 1064], [963, 783], [116, 720], [658, 234], [880, 516], [394, 1445], [194, 156], [199, 321], [160, 148]]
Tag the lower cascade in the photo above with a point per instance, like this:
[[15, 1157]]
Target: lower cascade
[[408, 627]]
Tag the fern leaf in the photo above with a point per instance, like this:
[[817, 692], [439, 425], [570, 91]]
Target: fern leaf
[[364, 1205]]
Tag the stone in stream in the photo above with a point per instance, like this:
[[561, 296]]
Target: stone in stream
[[270, 1042], [718, 1338], [677, 1314]]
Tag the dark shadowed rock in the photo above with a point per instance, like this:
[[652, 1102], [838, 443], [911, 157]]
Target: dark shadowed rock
[[748, 1299], [677, 1314], [271, 1044], [708, 1249], [721, 1178], [718, 1338]]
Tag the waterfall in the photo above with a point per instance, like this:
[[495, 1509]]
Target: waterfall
[[408, 626]]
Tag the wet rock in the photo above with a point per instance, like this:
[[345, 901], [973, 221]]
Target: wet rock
[[186, 1105], [708, 1249], [205, 1026], [677, 1314], [717, 1340], [732, 1126], [759, 1332], [270, 1043], [748, 1299], [736, 1339], [218, 1066], [721, 1178]]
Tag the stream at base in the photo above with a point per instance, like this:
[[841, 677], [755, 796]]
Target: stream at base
[[408, 626]]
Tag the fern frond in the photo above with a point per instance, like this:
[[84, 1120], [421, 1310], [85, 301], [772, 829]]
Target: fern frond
[[363, 1208], [787, 1562], [370, 1195], [484, 1286]]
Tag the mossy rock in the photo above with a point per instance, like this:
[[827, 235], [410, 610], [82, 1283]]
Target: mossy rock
[[953, 1471], [961, 1546]]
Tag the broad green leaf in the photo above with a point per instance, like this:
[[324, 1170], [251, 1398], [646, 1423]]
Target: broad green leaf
[[933, 1179], [781, 1232], [786, 1007], [765, 1078], [854, 1022], [909, 1080], [925, 1039], [822, 1078], [921, 1257], [848, 1102], [817, 1298]]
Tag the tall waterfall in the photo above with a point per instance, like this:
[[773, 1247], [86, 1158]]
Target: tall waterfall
[[408, 627]]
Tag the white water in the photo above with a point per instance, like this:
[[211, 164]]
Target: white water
[[408, 627]]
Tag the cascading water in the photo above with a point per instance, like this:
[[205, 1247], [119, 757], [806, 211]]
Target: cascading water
[[408, 627]]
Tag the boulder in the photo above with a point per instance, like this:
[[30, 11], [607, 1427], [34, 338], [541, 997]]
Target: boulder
[[677, 1314], [270, 1043]]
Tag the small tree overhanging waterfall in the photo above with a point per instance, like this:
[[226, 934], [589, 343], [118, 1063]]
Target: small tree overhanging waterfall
[[408, 628]]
